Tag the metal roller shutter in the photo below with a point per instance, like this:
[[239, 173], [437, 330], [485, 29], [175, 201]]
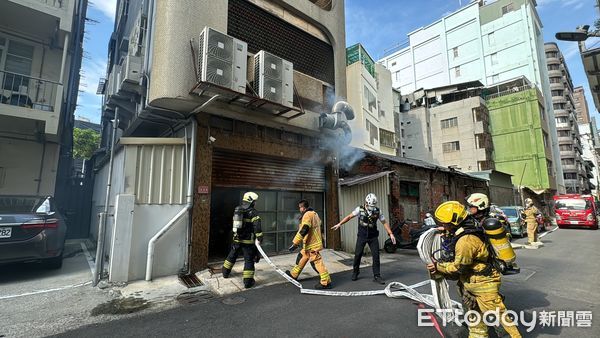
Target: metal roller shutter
[[258, 172]]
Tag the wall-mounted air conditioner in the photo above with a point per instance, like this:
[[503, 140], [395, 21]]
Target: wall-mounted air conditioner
[[222, 60], [274, 78]]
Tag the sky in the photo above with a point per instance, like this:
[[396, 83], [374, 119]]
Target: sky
[[377, 24]]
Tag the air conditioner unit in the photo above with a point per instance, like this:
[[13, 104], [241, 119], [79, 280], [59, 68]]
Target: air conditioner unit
[[222, 60], [274, 78], [132, 69]]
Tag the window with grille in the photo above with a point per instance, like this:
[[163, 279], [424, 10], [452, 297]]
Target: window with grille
[[373, 131], [17, 64], [409, 189], [449, 123], [457, 71], [508, 8], [553, 67], [449, 147], [485, 165], [386, 138], [455, 51], [494, 58], [370, 99]]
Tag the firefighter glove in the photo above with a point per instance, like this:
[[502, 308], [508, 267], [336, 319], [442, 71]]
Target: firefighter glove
[[293, 248]]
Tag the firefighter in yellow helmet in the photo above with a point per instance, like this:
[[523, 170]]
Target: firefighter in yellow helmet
[[309, 235], [246, 228], [530, 214], [478, 281]]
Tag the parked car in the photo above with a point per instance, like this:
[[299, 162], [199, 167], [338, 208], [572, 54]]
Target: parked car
[[31, 229], [517, 224]]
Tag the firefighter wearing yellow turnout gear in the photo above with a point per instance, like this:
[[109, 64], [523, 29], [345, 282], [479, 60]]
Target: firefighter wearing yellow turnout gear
[[478, 281], [309, 235], [530, 213]]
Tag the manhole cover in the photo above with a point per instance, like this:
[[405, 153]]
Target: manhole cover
[[200, 297], [234, 300]]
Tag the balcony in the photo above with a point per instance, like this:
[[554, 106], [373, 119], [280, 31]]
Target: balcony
[[569, 168], [567, 153], [571, 183], [19, 14], [31, 98], [565, 140]]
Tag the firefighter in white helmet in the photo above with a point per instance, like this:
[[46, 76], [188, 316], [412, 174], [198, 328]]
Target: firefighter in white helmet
[[368, 215], [246, 228], [530, 215]]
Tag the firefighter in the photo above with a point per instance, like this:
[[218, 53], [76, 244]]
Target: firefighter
[[368, 215], [309, 234], [530, 214], [246, 228], [478, 281]]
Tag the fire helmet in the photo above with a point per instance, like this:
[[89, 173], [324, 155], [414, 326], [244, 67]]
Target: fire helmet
[[528, 202], [479, 201], [250, 197], [371, 200], [451, 212]]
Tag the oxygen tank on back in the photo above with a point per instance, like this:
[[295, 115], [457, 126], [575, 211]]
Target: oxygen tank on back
[[238, 218], [496, 235]]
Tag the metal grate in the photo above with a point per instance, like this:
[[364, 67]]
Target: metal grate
[[190, 281], [264, 31]]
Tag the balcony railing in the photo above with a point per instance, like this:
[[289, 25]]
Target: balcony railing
[[53, 3], [26, 91]]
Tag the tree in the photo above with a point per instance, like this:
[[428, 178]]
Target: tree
[[85, 142]]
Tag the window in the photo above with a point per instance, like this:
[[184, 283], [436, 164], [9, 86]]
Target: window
[[494, 58], [562, 119], [481, 141], [485, 165], [449, 147], [387, 138], [409, 189], [491, 39], [455, 52], [457, 71], [551, 55], [542, 112], [570, 176], [18, 60], [545, 135], [555, 79], [370, 100], [565, 147], [373, 131], [558, 92], [495, 78], [563, 133], [553, 67], [558, 105], [393, 63], [402, 133], [508, 8], [449, 123], [567, 161], [549, 167]]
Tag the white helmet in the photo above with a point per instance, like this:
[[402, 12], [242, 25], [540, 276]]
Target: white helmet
[[428, 215], [528, 202], [371, 200], [479, 201], [250, 197]]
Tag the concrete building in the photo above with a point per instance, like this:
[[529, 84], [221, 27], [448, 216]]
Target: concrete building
[[369, 87], [581, 107], [39, 80], [448, 126], [563, 101], [591, 148], [519, 127], [194, 131], [486, 41]]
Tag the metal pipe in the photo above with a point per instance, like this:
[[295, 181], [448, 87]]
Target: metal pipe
[[151, 176], [189, 195], [39, 180], [64, 59], [102, 224]]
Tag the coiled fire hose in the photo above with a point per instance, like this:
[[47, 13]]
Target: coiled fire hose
[[392, 290]]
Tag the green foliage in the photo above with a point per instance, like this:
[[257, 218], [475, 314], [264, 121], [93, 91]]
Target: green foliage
[[85, 142]]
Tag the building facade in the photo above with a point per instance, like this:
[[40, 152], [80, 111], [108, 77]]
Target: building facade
[[563, 101], [39, 79], [195, 131], [490, 42], [519, 127], [448, 126], [581, 107], [369, 88]]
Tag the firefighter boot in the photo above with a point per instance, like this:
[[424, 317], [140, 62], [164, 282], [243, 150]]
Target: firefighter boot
[[320, 286], [226, 272], [249, 282]]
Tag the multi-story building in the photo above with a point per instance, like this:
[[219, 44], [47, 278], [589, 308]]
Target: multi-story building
[[40, 58], [369, 87], [519, 127], [581, 107], [563, 101], [591, 151], [243, 88], [490, 42], [448, 126]]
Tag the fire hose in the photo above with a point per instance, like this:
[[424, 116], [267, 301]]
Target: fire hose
[[392, 290]]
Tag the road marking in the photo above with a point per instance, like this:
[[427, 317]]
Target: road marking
[[88, 257], [549, 231], [46, 291]]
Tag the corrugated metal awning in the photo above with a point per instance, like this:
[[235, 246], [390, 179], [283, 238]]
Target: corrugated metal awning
[[362, 179]]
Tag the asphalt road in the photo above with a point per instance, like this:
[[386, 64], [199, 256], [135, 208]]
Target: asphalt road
[[562, 276]]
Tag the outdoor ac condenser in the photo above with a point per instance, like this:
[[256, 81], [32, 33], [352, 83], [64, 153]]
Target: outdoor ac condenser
[[274, 78], [222, 60]]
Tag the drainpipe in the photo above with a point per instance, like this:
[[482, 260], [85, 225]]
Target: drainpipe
[[102, 222], [189, 195]]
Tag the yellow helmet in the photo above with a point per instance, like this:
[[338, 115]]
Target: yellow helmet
[[451, 212], [250, 197]]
